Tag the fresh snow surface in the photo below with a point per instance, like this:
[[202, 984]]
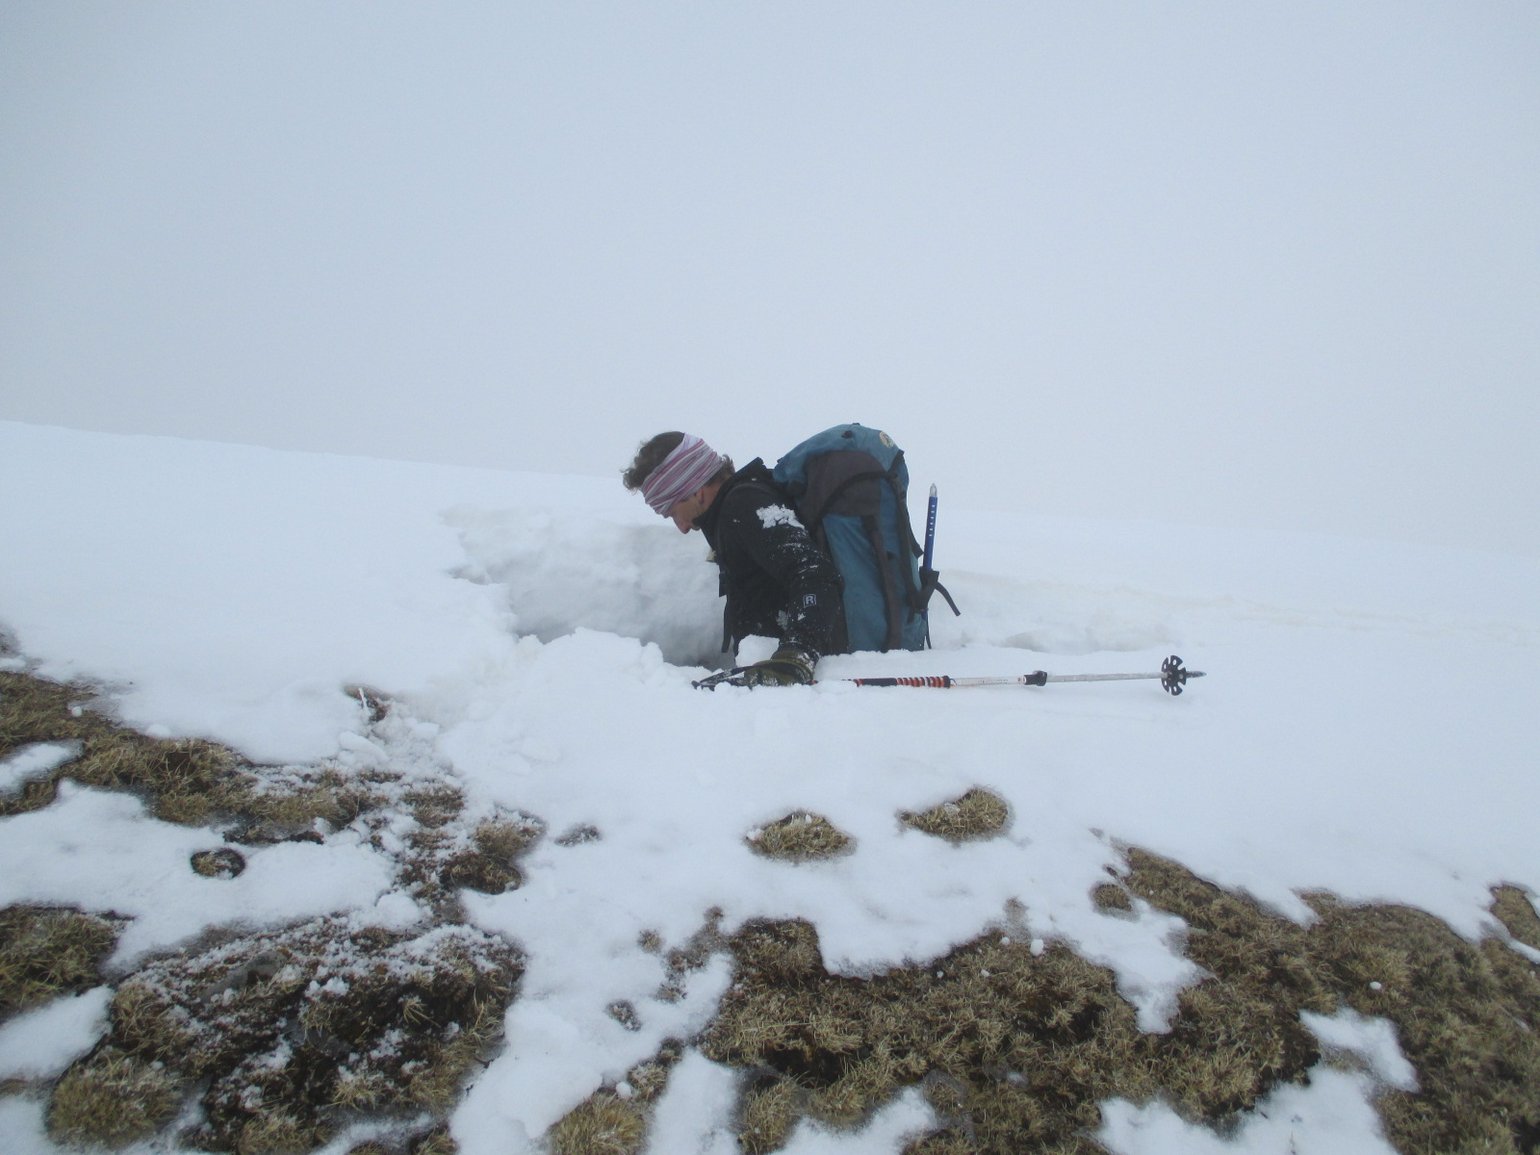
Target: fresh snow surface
[[1366, 727]]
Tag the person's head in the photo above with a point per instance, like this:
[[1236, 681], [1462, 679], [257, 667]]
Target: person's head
[[678, 475]]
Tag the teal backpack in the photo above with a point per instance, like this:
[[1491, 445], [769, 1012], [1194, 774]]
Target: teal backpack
[[850, 487]]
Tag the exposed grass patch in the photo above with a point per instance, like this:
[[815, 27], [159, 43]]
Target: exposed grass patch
[[497, 844], [602, 1124], [183, 780], [443, 858], [579, 835], [1238, 1033], [1015, 1049], [111, 1099], [436, 1141], [219, 863], [1466, 1013], [46, 952], [623, 1011], [768, 1110], [646, 1081], [284, 1036], [614, 1120], [434, 804], [292, 1033], [1028, 1043], [800, 837], [280, 805], [1110, 898], [1468, 1017], [978, 813], [1514, 907], [687, 958], [35, 710]]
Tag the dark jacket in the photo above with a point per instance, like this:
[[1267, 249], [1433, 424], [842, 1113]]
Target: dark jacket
[[777, 582]]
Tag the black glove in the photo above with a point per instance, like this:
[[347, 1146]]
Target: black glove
[[788, 666]]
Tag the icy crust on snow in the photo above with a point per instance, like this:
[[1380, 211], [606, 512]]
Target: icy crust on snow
[[1363, 729]]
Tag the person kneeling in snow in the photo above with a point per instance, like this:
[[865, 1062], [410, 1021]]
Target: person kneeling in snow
[[777, 582]]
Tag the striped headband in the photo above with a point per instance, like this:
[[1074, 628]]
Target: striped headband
[[691, 465]]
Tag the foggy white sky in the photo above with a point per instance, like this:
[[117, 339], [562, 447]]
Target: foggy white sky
[[1269, 264]]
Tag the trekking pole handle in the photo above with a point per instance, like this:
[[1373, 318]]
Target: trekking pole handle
[[930, 531]]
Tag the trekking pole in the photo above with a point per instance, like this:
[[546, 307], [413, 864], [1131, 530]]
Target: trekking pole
[[1173, 679]]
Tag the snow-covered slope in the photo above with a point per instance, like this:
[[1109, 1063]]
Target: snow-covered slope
[[1365, 727]]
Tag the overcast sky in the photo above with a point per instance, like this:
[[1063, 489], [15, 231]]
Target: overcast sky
[[1274, 264]]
